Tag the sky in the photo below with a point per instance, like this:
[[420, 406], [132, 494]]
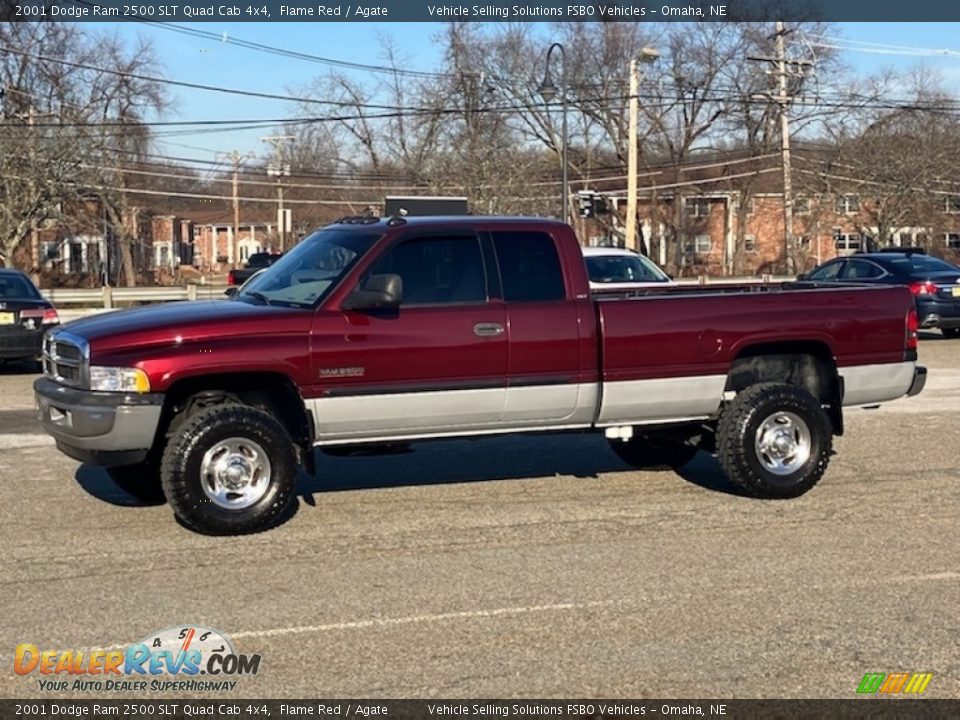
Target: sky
[[213, 62]]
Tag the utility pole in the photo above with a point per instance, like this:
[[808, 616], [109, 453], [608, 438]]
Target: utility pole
[[647, 55], [34, 232], [784, 101], [784, 69], [235, 157], [280, 169]]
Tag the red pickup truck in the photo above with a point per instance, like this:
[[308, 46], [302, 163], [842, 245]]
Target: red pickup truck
[[383, 331]]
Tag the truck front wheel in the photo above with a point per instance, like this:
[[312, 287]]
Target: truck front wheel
[[774, 440], [229, 469]]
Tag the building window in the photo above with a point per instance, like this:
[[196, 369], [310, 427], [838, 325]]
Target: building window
[[951, 205], [749, 244], [50, 250], [847, 241], [699, 245], [953, 241], [698, 207], [803, 241], [848, 204]]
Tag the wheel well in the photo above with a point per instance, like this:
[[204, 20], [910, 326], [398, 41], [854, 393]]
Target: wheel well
[[273, 392], [809, 365]]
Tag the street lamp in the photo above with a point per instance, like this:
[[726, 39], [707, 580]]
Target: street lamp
[[548, 91]]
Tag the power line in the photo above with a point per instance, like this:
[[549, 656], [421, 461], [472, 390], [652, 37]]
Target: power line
[[393, 185]]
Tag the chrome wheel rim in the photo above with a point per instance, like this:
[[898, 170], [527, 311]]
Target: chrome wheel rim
[[783, 443], [235, 473]]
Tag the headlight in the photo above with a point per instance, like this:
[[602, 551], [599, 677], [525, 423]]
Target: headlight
[[111, 379]]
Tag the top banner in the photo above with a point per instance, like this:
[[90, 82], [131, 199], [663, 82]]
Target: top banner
[[484, 11]]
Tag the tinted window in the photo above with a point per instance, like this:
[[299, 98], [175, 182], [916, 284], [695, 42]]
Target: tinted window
[[15, 286], [827, 272], [861, 270], [529, 267], [437, 270]]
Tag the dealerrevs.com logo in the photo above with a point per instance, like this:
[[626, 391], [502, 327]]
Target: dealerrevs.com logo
[[188, 658]]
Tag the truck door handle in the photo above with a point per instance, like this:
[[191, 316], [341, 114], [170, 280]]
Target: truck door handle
[[487, 329]]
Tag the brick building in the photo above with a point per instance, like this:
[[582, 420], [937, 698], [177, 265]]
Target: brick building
[[735, 226], [205, 240]]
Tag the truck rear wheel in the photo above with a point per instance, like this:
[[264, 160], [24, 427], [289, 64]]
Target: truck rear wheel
[[774, 440], [230, 469], [142, 481], [654, 449]]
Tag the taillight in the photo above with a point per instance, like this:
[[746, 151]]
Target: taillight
[[923, 288], [913, 330], [46, 316], [231, 278]]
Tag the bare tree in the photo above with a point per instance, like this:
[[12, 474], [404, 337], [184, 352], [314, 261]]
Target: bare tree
[[69, 126]]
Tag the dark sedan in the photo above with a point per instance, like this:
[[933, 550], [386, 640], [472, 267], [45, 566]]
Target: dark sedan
[[935, 284], [24, 317]]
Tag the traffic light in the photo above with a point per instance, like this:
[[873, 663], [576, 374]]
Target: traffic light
[[591, 203], [585, 204]]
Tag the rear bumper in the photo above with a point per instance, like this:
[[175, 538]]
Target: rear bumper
[[939, 313], [96, 427], [919, 380], [20, 343]]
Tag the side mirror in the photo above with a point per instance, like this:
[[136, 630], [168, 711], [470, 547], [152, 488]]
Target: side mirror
[[231, 291], [378, 292]]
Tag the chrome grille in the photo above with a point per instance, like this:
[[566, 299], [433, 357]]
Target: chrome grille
[[65, 358]]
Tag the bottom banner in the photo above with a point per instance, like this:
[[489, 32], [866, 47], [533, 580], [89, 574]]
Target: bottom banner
[[482, 709]]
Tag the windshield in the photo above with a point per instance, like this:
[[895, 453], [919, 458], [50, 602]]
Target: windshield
[[302, 277], [623, 269]]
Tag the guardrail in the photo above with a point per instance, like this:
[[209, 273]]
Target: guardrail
[[109, 297], [707, 280]]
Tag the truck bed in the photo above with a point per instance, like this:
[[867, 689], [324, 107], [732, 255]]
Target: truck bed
[[668, 351]]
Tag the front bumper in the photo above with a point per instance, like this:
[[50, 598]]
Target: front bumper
[[99, 428], [919, 380]]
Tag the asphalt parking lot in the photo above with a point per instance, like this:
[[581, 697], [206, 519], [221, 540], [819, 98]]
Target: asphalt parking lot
[[537, 567]]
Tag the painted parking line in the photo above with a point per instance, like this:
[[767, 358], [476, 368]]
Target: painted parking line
[[19, 441]]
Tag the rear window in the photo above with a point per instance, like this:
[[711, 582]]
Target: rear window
[[921, 264], [529, 267], [17, 287]]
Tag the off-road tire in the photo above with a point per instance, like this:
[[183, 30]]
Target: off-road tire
[[141, 481], [737, 436], [183, 456], [654, 451]]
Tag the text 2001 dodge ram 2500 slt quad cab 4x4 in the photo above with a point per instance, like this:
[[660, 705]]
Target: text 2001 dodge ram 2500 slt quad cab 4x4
[[392, 330]]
